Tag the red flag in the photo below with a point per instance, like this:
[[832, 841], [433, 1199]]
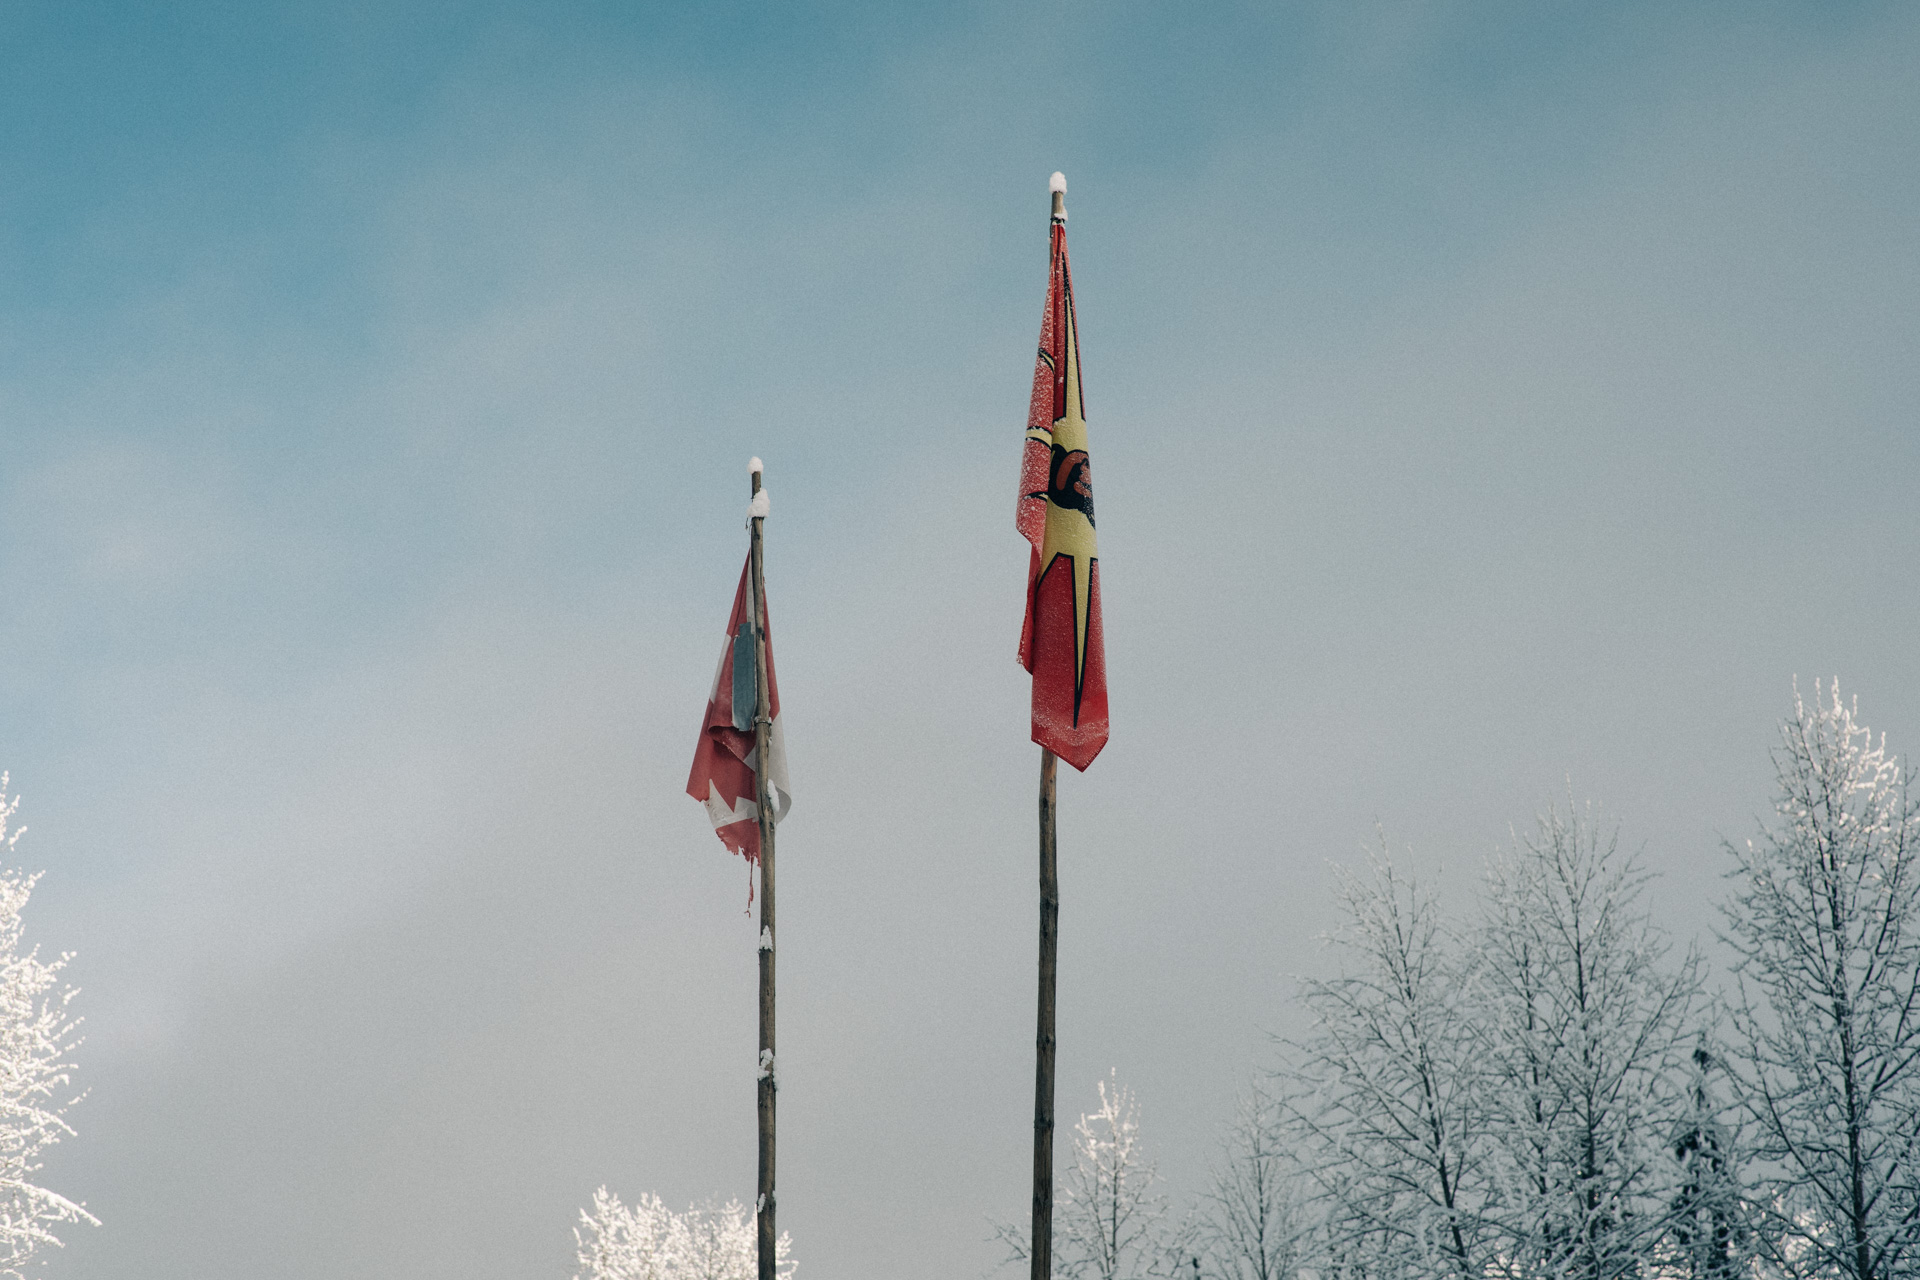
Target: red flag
[[1060, 644], [727, 758]]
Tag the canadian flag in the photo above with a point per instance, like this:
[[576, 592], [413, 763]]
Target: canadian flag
[[727, 760]]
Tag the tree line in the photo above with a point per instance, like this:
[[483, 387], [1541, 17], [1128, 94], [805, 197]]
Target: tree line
[[1547, 1087], [1542, 1087]]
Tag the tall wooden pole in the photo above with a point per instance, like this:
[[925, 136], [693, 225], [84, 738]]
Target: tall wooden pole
[[1042, 1240], [762, 735]]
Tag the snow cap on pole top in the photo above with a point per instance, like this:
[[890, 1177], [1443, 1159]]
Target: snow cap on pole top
[[761, 505], [1058, 185]]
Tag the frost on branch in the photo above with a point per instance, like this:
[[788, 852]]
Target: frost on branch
[[1496, 1100], [1253, 1225], [1826, 926], [1585, 1019], [1110, 1221], [1380, 1105], [37, 1039], [651, 1242]]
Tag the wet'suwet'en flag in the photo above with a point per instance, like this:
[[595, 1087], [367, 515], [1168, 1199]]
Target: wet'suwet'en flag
[[1060, 644], [726, 760]]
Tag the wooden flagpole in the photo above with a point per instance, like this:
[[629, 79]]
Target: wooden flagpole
[[1040, 1244], [1042, 1240], [762, 735]]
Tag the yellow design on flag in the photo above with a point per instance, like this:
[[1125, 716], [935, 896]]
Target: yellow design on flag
[[1069, 527], [1061, 643]]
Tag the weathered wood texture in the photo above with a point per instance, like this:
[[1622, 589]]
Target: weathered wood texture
[[1041, 1242], [762, 731]]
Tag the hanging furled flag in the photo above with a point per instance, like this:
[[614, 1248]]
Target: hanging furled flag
[[740, 774], [1060, 644], [726, 760]]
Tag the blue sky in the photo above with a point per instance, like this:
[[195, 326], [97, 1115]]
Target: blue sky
[[1491, 401]]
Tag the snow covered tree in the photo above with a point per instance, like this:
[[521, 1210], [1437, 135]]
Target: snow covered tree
[[1382, 1107], [1706, 1235], [1111, 1221], [651, 1242], [1826, 924], [1581, 1036], [37, 1040], [617, 1243], [1253, 1225], [1496, 1102]]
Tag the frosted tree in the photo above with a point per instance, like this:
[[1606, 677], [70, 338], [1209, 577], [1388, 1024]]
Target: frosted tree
[[37, 1040], [1826, 924], [649, 1241], [615, 1242], [1706, 1234], [1582, 1032], [1382, 1107], [1111, 1220], [1253, 1225]]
